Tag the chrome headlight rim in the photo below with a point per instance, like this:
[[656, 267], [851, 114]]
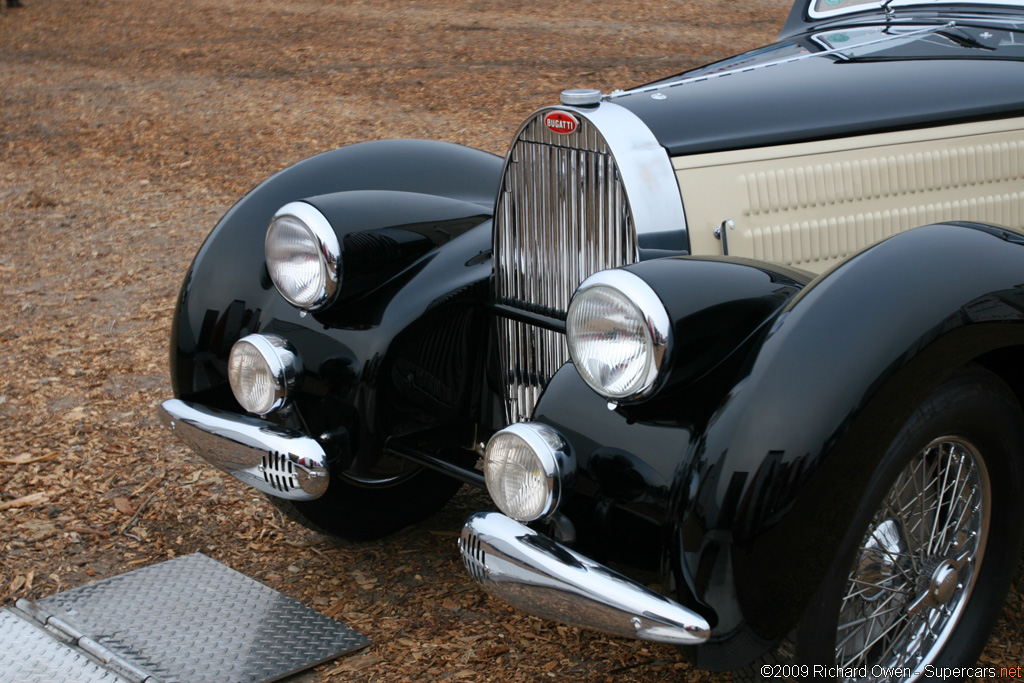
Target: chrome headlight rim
[[556, 460], [657, 326], [328, 253], [283, 367]]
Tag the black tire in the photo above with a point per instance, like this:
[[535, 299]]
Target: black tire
[[910, 587], [366, 511]]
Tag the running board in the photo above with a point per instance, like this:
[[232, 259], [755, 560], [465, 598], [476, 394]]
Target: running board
[[187, 619]]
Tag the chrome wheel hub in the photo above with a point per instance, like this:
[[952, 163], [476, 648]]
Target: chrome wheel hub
[[943, 584], [880, 559], [918, 562]]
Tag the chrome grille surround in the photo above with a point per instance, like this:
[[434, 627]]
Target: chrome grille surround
[[570, 206]]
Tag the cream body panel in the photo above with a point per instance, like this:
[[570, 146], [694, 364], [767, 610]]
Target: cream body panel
[[811, 205]]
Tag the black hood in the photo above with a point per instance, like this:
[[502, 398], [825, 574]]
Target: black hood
[[776, 96]]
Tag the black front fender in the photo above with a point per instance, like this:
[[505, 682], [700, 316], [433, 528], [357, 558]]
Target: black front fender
[[770, 485], [227, 289], [389, 347]]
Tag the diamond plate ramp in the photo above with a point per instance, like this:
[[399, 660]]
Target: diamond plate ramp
[[193, 619], [30, 655]]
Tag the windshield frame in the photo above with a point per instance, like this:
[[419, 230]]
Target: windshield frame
[[876, 5]]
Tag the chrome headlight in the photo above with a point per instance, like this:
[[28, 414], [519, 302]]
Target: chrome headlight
[[526, 466], [263, 370], [303, 256], [618, 333]]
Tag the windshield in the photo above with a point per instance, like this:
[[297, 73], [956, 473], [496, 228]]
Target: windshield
[[916, 42], [826, 8]]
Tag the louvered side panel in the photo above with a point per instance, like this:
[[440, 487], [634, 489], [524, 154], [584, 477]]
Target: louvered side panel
[[811, 205]]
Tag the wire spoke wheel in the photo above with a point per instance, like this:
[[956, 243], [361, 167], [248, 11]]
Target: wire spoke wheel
[[921, 572], [917, 565]]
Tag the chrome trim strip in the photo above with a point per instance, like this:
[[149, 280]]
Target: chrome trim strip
[[836, 51], [651, 308], [544, 578], [279, 461], [645, 171]]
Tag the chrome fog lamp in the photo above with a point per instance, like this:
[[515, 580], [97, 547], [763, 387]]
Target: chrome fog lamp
[[303, 256], [619, 334], [263, 370], [526, 467]]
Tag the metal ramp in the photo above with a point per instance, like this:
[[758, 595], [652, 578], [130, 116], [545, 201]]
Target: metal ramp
[[187, 620]]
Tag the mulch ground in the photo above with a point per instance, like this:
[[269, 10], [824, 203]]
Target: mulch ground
[[126, 128]]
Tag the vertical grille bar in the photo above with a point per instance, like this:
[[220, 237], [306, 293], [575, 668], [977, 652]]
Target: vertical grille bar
[[562, 216]]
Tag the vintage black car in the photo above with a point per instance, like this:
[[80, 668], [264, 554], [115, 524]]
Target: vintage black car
[[757, 328]]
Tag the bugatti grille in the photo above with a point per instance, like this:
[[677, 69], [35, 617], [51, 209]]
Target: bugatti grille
[[562, 216]]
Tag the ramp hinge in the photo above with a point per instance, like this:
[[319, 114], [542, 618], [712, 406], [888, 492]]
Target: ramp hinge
[[75, 638]]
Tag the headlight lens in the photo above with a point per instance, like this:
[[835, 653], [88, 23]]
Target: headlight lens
[[263, 370], [303, 256], [618, 333], [526, 466]]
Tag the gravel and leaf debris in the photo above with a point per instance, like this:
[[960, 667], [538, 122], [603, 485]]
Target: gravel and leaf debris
[[127, 127]]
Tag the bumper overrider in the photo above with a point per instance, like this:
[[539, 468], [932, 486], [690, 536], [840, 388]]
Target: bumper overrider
[[544, 578], [279, 461]]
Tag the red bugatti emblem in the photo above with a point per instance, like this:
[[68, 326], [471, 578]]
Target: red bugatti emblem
[[561, 122]]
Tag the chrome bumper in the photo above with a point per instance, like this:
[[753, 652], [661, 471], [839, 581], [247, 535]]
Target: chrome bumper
[[279, 461], [539, 576]]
